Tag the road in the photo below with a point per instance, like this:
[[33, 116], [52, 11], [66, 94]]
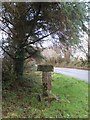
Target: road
[[76, 73]]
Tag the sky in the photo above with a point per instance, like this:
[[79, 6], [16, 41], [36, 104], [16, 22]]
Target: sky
[[77, 52]]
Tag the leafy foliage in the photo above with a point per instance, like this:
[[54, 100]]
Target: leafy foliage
[[28, 24]]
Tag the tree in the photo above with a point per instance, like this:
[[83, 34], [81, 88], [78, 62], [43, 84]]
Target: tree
[[28, 24]]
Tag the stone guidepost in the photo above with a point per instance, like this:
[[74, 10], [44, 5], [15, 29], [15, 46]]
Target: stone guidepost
[[46, 81], [46, 78]]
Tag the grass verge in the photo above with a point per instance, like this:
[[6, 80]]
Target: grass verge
[[23, 103]]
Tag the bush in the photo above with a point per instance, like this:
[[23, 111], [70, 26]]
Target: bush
[[7, 69]]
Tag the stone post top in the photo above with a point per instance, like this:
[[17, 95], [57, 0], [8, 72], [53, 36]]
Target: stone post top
[[45, 68]]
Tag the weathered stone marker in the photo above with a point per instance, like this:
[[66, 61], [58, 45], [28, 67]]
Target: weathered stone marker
[[46, 78]]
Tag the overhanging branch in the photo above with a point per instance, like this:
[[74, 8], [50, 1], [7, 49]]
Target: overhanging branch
[[10, 29], [8, 21], [6, 32], [41, 38], [27, 57], [7, 52]]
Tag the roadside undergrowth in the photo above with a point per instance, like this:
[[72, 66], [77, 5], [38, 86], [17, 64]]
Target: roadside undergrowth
[[23, 103]]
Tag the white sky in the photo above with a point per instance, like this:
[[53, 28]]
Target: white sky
[[78, 52], [49, 43]]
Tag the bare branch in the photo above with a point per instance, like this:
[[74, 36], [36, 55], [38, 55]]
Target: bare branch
[[41, 38], [7, 52], [6, 32], [10, 29], [31, 53], [27, 57], [7, 21], [10, 46]]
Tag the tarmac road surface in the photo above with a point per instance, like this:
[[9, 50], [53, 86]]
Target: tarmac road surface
[[76, 73]]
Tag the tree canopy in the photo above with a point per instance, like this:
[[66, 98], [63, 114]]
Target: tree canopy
[[27, 24]]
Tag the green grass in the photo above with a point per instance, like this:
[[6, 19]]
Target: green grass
[[72, 94]]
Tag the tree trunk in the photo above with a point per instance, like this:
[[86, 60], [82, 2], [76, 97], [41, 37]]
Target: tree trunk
[[19, 64], [19, 69]]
